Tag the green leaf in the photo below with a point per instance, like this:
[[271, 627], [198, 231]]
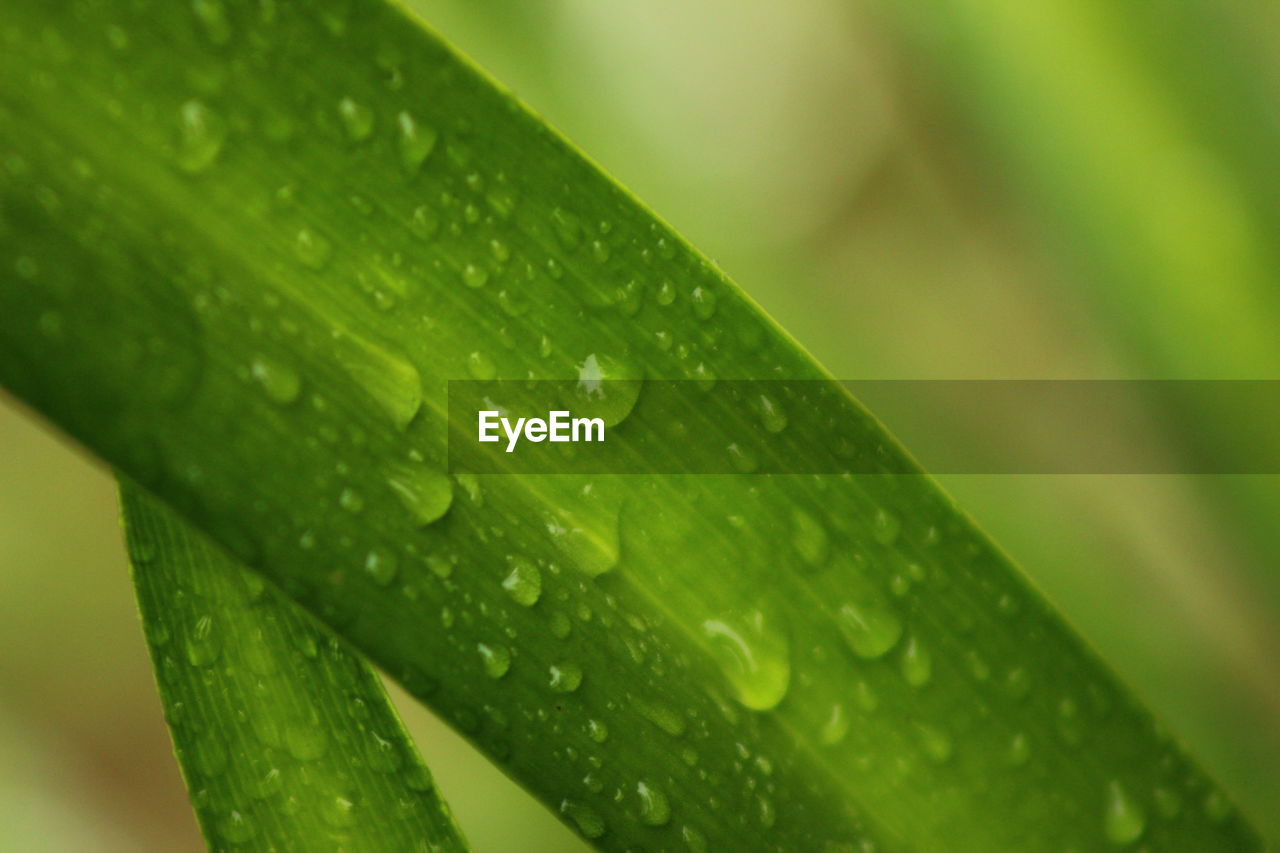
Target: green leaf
[[246, 245], [285, 737]]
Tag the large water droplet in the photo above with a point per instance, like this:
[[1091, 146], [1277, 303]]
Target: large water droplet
[[201, 133], [203, 643], [312, 248], [590, 824], [607, 388], [565, 677], [392, 381], [380, 564], [809, 538], [703, 300], [357, 119], [235, 828], [772, 416], [917, 663], [836, 726], [496, 659], [654, 808], [663, 716], [416, 142], [754, 653], [1124, 819], [567, 227], [425, 493], [934, 742], [278, 381], [871, 630], [524, 582]]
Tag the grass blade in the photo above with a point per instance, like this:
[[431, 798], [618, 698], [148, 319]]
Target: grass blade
[[286, 739], [244, 285]]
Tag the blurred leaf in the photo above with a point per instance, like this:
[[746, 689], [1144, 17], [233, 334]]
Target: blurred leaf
[[244, 284], [286, 739]]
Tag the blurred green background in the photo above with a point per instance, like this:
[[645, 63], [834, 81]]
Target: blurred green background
[[938, 189]]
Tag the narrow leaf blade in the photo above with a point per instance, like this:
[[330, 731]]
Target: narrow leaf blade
[[286, 739]]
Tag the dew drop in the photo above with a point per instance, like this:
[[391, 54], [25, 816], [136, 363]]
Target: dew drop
[[416, 142], [664, 717], [234, 828], [564, 677], [524, 582], [754, 654], [213, 20], [885, 527], [567, 227], [654, 808], [312, 249], [772, 416], [934, 742], [474, 276], [703, 300], [590, 824], [481, 367], [809, 538], [496, 659], [391, 379], [836, 727], [201, 134], [597, 731], [1019, 750], [424, 222], [380, 564], [693, 839], [870, 630], [305, 741], [350, 500], [339, 811], [607, 388], [665, 294], [203, 645], [279, 382], [1124, 820], [425, 493], [357, 119], [917, 663]]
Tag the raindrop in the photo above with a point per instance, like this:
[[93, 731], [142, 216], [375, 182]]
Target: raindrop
[[654, 808], [564, 677], [1124, 819], [869, 629], [481, 367], [772, 416], [357, 119], [754, 654], [607, 388], [425, 493], [496, 659], [704, 302], [809, 538], [416, 142], [203, 645], [836, 726], [313, 249], [917, 664], [590, 824], [474, 276], [380, 564], [524, 582], [201, 133]]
